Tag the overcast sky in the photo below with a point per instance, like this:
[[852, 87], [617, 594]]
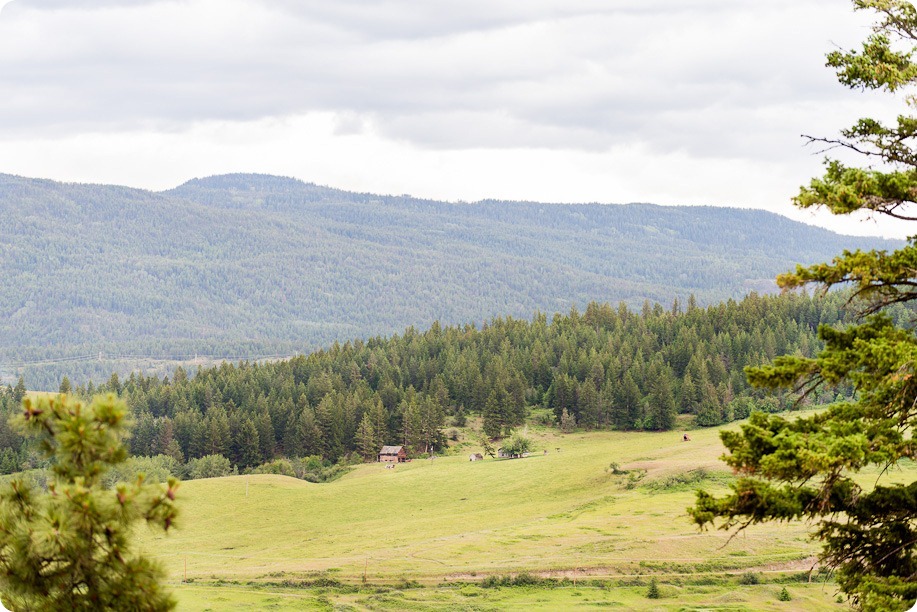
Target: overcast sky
[[663, 101]]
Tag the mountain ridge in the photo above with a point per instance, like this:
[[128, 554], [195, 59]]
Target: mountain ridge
[[236, 264]]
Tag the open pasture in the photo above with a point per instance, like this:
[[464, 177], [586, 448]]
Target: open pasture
[[434, 523]]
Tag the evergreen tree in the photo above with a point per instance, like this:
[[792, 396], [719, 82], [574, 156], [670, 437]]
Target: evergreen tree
[[366, 438], [69, 548], [661, 409], [567, 421], [19, 391], [493, 415], [688, 402], [590, 406], [627, 411], [805, 468], [379, 421], [309, 433], [266, 440], [244, 447], [652, 592], [710, 412], [216, 432]]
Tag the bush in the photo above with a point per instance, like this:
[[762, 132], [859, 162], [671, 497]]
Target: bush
[[784, 595], [315, 469], [634, 478], [518, 445], [523, 579], [615, 469], [154, 469], [282, 467], [750, 578], [741, 407], [209, 466], [682, 479]]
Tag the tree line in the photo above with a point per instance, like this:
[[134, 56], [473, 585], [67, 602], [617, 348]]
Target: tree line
[[606, 367]]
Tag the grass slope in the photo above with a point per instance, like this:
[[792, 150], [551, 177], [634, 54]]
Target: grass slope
[[561, 515]]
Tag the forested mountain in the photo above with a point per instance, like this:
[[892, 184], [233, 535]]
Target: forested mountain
[[251, 265], [607, 367]]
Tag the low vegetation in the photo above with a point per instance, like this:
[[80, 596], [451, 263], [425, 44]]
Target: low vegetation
[[547, 530]]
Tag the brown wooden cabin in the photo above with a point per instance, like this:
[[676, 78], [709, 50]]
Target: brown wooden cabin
[[393, 454]]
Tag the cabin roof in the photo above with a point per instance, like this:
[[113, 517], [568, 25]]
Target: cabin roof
[[390, 450]]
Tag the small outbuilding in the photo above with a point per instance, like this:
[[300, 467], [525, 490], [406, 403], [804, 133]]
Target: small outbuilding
[[393, 454], [475, 457]]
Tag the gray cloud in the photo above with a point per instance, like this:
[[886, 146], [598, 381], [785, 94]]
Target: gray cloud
[[714, 78]]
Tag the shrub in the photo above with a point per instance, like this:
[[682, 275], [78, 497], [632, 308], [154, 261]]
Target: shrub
[[209, 466], [750, 578], [282, 467], [518, 445], [154, 469], [784, 595], [634, 478], [315, 469], [615, 469]]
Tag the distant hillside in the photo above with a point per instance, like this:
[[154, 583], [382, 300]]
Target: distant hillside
[[250, 265]]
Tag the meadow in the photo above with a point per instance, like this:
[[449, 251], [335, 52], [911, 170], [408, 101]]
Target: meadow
[[549, 531]]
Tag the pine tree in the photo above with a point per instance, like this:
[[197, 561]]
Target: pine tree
[[245, 450], [661, 411], [805, 468], [589, 405], [567, 421], [309, 433], [710, 412], [216, 432], [69, 548], [493, 415], [379, 420], [366, 438], [19, 391], [627, 411], [652, 592]]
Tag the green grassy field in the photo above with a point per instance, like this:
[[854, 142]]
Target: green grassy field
[[425, 534]]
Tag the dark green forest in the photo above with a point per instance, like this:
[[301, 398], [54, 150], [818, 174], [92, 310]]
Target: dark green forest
[[101, 278], [605, 367]]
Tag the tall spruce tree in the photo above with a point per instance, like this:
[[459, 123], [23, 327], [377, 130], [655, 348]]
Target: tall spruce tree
[[804, 468], [366, 438]]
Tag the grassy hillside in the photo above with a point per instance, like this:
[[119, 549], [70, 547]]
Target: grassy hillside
[[448, 520], [113, 278]]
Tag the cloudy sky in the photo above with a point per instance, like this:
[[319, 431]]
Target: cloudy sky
[[664, 101]]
